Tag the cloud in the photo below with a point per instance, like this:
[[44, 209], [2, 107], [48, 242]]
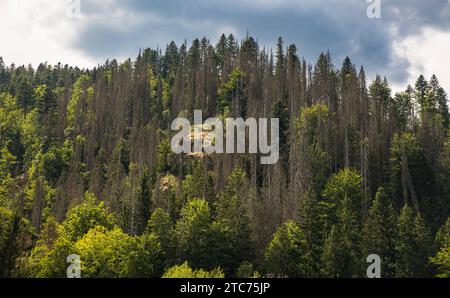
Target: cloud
[[118, 28], [431, 48], [34, 32]]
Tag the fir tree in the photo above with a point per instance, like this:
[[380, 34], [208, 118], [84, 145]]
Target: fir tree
[[380, 232]]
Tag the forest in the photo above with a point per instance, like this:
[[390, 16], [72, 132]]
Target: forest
[[86, 168]]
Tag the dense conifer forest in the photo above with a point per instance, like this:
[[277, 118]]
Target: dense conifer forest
[[86, 168]]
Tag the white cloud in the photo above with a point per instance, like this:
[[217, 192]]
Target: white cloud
[[428, 54], [36, 31]]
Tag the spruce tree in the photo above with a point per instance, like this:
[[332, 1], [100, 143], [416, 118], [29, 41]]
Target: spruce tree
[[442, 257], [24, 96], [341, 207], [192, 232], [440, 98], [162, 228], [311, 223], [380, 232], [405, 243], [421, 91], [414, 245], [287, 254], [232, 217], [333, 260], [423, 248]]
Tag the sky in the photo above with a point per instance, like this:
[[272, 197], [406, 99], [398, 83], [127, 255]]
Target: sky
[[410, 37]]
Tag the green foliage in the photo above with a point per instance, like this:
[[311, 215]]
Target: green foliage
[[103, 252], [247, 270], [343, 190], [8, 234], [48, 258], [405, 244], [199, 184], [341, 252], [39, 198], [5, 226], [11, 124], [312, 119], [380, 233], [334, 256], [421, 90], [184, 271], [312, 224], [232, 218], [442, 257], [423, 247], [82, 94], [380, 93], [403, 110], [341, 210], [80, 90], [442, 260], [315, 130], [113, 254], [287, 254], [413, 246], [411, 176], [47, 109], [233, 90], [161, 227], [165, 158], [192, 231], [106, 130], [442, 99], [86, 216], [155, 259], [443, 235], [7, 163], [24, 96], [55, 162], [281, 112]]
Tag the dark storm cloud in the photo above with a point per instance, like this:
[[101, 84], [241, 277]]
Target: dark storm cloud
[[120, 28]]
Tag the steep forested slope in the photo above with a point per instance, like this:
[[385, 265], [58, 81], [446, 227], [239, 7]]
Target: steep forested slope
[[86, 168]]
